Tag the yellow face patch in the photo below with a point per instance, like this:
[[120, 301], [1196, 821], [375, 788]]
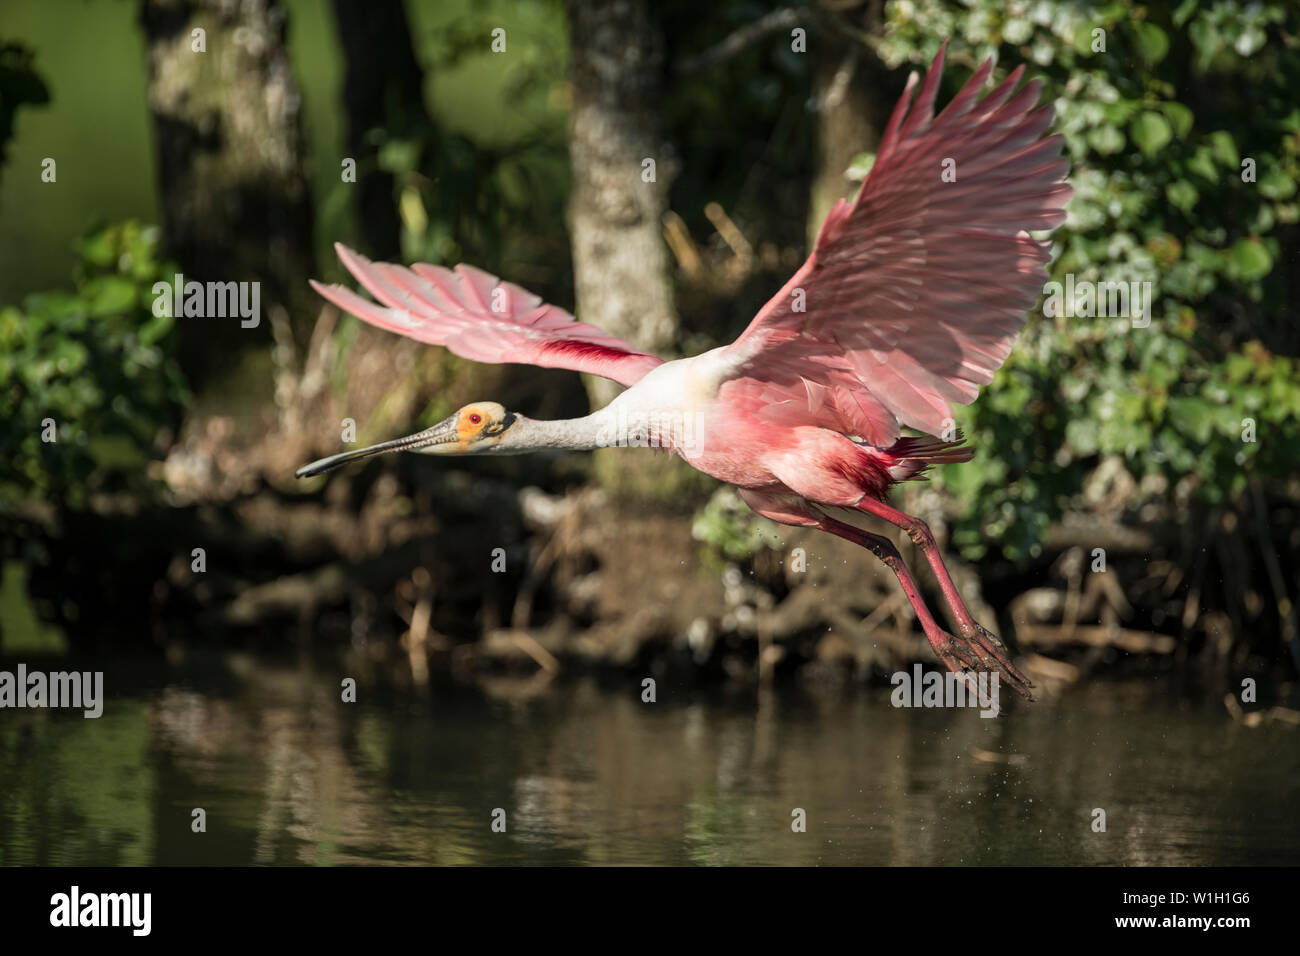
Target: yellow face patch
[[471, 422], [478, 421]]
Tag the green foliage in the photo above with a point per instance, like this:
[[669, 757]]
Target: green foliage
[[488, 192], [728, 525], [97, 363], [1162, 147]]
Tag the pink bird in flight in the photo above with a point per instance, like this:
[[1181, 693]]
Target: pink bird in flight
[[910, 301]]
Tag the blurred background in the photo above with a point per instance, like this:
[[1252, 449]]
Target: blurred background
[[1128, 523]]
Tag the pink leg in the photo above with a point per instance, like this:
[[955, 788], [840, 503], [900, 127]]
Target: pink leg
[[974, 633], [972, 653], [923, 538]]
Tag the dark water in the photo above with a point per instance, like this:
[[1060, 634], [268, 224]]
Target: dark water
[[288, 774]]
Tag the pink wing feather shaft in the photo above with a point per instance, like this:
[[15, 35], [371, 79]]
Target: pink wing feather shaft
[[916, 290], [479, 317]]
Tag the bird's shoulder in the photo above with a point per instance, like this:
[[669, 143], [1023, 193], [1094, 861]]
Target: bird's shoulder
[[688, 381]]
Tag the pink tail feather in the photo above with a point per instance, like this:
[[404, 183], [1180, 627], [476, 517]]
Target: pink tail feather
[[911, 457]]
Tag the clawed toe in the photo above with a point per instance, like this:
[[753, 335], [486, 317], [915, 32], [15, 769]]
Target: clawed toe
[[981, 650]]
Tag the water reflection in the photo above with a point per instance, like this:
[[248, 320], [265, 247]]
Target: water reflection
[[287, 774]]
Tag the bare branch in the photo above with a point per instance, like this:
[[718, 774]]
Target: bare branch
[[746, 36]]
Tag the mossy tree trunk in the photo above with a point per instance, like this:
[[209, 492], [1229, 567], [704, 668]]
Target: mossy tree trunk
[[235, 196], [621, 169], [618, 199]]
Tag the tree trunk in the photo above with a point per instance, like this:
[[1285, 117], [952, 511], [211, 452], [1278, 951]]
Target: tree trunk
[[235, 196], [849, 122], [383, 95], [616, 208]]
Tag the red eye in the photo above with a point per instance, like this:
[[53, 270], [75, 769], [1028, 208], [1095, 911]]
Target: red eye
[[475, 419]]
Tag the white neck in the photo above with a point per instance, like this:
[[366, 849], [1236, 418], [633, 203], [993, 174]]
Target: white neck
[[574, 434]]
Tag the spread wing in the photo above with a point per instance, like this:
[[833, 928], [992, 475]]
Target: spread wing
[[915, 291], [479, 317]]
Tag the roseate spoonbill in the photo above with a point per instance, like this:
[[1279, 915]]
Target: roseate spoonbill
[[910, 301]]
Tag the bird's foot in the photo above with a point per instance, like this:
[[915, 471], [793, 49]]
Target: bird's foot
[[979, 649]]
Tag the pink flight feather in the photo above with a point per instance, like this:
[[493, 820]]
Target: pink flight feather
[[916, 290], [479, 317]]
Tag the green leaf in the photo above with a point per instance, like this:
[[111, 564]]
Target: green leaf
[[1182, 194], [1202, 163], [110, 295], [1083, 39], [1192, 417], [1206, 38], [1276, 185], [1151, 132], [1106, 140], [1250, 259], [1185, 10], [399, 156], [1178, 115], [1152, 42], [860, 167], [1224, 149]]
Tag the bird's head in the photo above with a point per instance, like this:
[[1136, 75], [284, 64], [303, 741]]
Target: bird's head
[[477, 428]]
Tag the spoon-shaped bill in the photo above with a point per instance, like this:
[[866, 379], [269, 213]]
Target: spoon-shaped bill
[[443, 432]]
